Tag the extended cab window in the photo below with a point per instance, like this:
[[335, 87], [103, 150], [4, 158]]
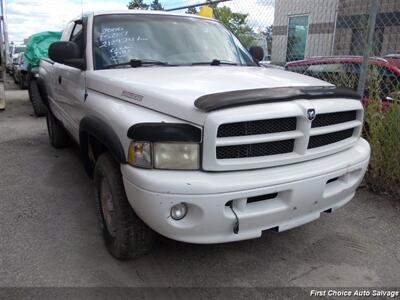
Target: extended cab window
[[174, 40]]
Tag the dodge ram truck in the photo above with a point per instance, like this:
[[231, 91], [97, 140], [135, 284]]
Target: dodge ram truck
[[186, 135]]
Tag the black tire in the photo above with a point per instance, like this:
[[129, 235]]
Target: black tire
[[58, 136], [39, 109], [22, 83], [126, 236]]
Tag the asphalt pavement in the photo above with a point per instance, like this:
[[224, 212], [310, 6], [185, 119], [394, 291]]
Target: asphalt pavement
[[49, 233]]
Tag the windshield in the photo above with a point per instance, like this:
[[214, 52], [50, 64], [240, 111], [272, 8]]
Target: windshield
[[174, 40]]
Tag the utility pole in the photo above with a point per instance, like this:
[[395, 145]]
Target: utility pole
[[197, 5], [3, 53], [373, 11]]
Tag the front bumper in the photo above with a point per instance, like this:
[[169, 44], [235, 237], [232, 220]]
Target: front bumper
[[302, 191]]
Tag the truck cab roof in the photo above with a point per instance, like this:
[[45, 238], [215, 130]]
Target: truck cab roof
[[140, 12]]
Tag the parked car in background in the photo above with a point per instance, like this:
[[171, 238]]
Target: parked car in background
[[271, 66], [13, 66], [20, 72], [14, 51], [344, 71], [392, 56]]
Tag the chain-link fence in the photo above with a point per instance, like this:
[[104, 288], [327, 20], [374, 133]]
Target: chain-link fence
[[347, 40], [350, 43], [328, 39], [250, 20]]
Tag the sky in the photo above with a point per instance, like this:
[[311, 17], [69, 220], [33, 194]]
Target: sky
[[26, 17]]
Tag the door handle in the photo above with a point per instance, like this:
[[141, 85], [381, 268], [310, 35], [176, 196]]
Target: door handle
[[59, 79]]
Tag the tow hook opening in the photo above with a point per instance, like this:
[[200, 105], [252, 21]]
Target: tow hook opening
[[237, 222]]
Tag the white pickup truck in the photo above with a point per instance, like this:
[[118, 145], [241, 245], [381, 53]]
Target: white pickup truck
[[184, 134]]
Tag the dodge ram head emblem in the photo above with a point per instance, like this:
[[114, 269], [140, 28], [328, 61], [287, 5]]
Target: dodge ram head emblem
[[311, 114]]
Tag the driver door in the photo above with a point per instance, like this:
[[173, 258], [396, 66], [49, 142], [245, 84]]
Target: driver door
[[71, 87]]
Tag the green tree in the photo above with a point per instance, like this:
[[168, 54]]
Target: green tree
[[191, 11], [156, 5], [137, 4], [237, 23], [268, 32], [212, 4]]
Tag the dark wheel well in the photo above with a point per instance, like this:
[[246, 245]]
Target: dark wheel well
[[91, 149], [95, 138], [96, 148]]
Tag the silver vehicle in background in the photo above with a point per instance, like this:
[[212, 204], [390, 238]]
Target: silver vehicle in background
[[13, 56], [20, 71]]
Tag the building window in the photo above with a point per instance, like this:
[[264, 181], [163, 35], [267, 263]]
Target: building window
[[297, 38], [358, 39]]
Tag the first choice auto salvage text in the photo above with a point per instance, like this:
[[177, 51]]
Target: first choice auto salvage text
[[355, 293]]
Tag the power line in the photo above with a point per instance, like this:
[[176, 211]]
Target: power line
[[196, 5]]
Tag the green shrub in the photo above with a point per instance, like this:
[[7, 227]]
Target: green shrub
[[382, 129]]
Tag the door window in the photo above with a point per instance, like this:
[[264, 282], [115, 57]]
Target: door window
[[78, 38]]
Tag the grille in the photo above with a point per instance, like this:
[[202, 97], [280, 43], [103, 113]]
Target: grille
[[329, 138], [334, 118], [255, 150], [257, 127]]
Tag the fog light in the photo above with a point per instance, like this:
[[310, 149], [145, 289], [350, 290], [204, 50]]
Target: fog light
[[178, 211]]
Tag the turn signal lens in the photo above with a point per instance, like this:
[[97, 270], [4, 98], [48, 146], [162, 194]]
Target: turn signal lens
[[139, 154]]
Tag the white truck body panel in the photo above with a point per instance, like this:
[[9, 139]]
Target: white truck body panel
[[306, 182], [173, 90], [303, 193]]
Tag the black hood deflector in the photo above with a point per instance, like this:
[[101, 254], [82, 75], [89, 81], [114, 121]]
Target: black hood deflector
[[218, 101]]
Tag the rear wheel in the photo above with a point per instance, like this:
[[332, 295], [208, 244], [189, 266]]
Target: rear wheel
[[58, 136], [39, 108], [126, 236], [23, 82]]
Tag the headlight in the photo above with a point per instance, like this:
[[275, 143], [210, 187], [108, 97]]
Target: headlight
[[178, 156], [171, 146], [171, 156]]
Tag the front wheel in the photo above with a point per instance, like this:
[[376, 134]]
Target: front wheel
[[58, 136], [126, 236]]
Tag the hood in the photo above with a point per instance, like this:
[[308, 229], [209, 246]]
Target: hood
[[173, 90]]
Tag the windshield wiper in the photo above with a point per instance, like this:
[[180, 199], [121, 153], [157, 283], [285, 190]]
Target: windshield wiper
[[215, 62], [136, 63]]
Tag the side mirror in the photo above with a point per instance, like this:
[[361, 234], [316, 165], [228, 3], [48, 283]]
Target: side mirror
[[67, 53], [257, 53]]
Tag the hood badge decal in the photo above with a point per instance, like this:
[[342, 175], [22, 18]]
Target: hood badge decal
[[132, 96], [311, 114]]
